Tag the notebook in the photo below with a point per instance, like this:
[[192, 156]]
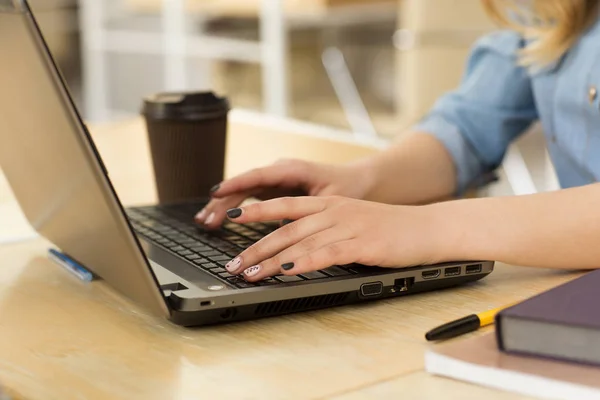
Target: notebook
[[478, 360], [561, 323]]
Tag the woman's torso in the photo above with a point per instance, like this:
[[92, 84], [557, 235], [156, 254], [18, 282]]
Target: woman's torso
[[567, 97]]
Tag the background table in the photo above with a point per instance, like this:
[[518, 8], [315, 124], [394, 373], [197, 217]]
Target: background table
[[61, 338]]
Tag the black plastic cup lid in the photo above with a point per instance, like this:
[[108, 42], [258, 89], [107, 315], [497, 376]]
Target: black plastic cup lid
[[191, 106]]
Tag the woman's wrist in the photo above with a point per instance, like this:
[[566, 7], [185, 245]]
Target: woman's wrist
[[455, 229], [366, 171]]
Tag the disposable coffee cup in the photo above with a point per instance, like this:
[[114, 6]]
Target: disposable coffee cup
[[187, 134]]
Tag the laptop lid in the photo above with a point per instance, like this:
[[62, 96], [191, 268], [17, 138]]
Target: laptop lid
[[53, 168]]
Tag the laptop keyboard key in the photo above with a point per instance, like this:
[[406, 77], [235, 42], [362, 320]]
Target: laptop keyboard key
[[199, 248], [288, 278], [262, 228], [243, 243], [239, 282], [223, 263], [209, 254], [208, 265], [313, 275], [244, 285], [220, 257], [268, 282], [336, 271]]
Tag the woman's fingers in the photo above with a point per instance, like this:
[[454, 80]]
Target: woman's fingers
[[278, 209], [308, 229], [335, 253], [277, 241], [214, 213], [304, 256], [231, 193], [287, 174]]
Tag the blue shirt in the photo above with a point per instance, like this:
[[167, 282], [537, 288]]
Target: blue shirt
[[498, 100]]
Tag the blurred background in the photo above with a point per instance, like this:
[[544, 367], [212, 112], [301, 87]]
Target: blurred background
[[366, 66], [314, 60]]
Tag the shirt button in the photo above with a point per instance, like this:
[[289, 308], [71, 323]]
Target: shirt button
[[593, 94]]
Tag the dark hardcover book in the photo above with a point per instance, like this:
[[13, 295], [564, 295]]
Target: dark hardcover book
[[561, 323]]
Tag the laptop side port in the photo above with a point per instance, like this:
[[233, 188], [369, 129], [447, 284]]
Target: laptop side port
[[403, 284], [431, 274], [452, 271], [371, 289], [473, 269]]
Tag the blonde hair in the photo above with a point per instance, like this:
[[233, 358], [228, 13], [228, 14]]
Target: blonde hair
[[550, 26]]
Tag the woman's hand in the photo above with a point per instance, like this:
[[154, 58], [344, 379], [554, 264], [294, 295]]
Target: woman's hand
[[335, 231], [286, 178]]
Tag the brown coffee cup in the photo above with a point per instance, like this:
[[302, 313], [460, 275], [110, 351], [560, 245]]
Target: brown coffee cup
[[187, 134]]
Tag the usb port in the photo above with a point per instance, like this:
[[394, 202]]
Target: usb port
[[473, 269], [434, 273], [452, 271]]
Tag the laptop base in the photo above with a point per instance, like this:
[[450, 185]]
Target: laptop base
[[290, 306]]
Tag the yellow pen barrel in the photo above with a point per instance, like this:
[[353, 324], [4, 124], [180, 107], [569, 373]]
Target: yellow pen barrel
[[487, 317]]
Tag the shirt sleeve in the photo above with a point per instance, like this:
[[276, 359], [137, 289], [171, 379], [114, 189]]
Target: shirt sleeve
[[492, 106]]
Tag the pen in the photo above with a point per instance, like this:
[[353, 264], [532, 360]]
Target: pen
[[463, 325], [70, 265]]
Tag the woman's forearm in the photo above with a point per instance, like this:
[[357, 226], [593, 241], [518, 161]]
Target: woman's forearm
[[415, 170], [556, 230]]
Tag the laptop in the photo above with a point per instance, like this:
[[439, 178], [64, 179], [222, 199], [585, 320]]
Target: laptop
[[155, 255]]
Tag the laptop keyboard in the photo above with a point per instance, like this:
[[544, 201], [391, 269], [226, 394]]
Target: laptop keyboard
[[172, 228]]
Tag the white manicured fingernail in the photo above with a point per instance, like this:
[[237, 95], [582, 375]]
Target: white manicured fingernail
[[210, 218], [252, 271], [234, 264], [201, 215]]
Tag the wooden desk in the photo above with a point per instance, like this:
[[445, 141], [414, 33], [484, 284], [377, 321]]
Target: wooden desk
[[63, 339]]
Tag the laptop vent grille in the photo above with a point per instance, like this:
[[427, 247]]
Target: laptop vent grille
[[301, 304]]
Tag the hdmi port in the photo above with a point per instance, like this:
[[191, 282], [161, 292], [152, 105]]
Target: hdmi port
[[434, 273]]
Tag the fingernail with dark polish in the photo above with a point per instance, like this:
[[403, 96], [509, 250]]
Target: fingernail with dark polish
[[215, 188], [234, 212], [287, 266]]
